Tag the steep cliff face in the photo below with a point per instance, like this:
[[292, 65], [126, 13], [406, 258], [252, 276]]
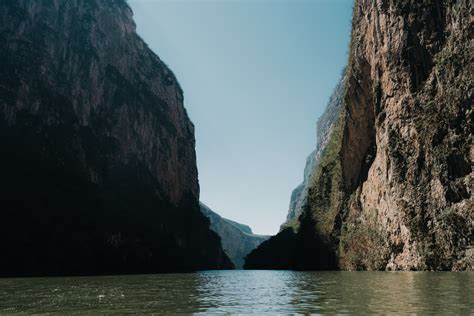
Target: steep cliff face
[[237, 239], [97, 151], [407, 148], [324, 127], [394, 187]]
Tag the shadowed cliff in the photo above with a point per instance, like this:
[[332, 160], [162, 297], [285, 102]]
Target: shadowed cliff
[[97, 152]]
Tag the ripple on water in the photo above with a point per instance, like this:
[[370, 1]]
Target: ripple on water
[[244, 292]]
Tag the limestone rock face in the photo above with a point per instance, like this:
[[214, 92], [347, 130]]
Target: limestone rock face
[[237, 239], [407, 148], [393, 190], [98, 162]]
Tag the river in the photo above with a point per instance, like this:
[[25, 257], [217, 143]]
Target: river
[[245, 292]]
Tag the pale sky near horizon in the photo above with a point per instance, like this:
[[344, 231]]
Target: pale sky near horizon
[[256, 75]]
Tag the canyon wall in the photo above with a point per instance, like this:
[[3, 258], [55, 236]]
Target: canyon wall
[[393, 189], [97, 152]]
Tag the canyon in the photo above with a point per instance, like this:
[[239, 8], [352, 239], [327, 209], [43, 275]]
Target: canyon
[[98, 162]]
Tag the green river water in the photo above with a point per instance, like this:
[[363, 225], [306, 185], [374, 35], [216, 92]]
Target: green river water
[[258, 292]]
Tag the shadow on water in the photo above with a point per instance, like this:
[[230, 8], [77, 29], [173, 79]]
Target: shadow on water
[[245, 292]]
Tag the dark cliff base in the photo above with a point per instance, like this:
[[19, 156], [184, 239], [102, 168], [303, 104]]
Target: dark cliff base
[[290, 251], [55, 222]]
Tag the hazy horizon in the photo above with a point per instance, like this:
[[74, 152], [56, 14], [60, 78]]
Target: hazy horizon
[[256, 76]]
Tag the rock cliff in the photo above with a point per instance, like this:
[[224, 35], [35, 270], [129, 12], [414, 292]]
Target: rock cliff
[[97, 152], [324, 127], [393, 190], [237, 239]]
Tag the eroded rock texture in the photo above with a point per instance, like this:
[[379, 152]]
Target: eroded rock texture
[[407, 148], [394, 187], [97, 152]]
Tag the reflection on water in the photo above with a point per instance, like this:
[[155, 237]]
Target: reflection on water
[[245, 292]]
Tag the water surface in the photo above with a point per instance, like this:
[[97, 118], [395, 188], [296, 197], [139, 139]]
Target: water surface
[[244, 292]]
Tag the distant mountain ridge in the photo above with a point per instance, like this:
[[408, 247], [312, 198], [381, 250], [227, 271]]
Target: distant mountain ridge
[[237, 239]]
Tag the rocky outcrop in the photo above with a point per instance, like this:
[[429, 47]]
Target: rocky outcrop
[[324, 127], [393, 190], [97, 152], [237, 239]]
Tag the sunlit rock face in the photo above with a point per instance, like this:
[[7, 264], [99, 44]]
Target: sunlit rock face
[[98, 167], [393, 189], [237, 239]]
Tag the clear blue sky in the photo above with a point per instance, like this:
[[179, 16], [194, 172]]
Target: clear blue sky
[[256, 75]]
